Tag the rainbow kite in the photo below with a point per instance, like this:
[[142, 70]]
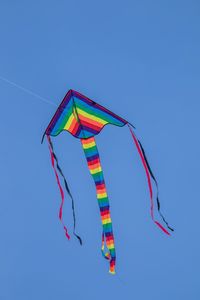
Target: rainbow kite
[[84, 119]]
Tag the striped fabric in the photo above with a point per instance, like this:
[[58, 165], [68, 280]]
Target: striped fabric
[[82, 117], [94, 165]]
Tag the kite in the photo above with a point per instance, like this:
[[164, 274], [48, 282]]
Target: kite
[[84, 119]]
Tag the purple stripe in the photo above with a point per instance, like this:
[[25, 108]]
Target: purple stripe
[[58, 112], [91, 158], [109, 234], [99, 182], [104, 208], [90, 130]]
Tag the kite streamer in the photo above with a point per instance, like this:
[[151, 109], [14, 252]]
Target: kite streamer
[[94, 165], [53, 159], [84, 119]]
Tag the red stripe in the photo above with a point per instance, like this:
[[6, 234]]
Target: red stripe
[[100, 186], [89, 125], [93, 162], [105, 212], [109, 239], [112, 264], [91, 121]]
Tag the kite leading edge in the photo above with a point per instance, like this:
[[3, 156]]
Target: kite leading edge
[[84, 119]]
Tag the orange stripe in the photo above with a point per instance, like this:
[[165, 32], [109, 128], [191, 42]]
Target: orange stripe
[[95, 166], [90, 124], [110, 244], [101, 191], [105, 217], [72, 125], [90, 121], [87, 141]]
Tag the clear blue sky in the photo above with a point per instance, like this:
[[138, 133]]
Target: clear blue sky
[[141, 60]]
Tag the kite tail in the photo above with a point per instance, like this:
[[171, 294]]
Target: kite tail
[[53, 159], [150, 175], [94, 165]]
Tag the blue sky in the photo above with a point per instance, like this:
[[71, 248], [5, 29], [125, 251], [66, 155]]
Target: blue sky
[[141, 60]]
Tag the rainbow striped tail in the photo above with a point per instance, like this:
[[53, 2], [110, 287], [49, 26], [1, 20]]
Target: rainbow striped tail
[[94, 165]]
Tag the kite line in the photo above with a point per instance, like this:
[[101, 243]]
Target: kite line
[[27, 91], [53, 160]]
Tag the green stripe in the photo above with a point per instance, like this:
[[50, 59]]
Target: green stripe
[[97, 113], [89, 151], [103, 201], [65, 117], [107, 227], [92, 112]]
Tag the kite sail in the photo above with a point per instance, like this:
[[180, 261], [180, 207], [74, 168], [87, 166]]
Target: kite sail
[[84, 119]]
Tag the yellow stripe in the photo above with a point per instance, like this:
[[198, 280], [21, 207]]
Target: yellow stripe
[[92, 117], [103, 195], [89, 145], [111, 246], [95, 171], [106, 221], [69, 122]]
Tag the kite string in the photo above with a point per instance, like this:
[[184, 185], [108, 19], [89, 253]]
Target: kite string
[[27, 90]]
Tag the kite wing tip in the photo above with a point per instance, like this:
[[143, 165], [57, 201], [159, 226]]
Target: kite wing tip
[[43, 138]]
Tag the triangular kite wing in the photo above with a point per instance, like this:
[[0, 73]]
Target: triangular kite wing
[[82, 117]]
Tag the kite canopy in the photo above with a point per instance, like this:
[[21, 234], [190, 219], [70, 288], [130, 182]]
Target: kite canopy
[[82, 117]]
